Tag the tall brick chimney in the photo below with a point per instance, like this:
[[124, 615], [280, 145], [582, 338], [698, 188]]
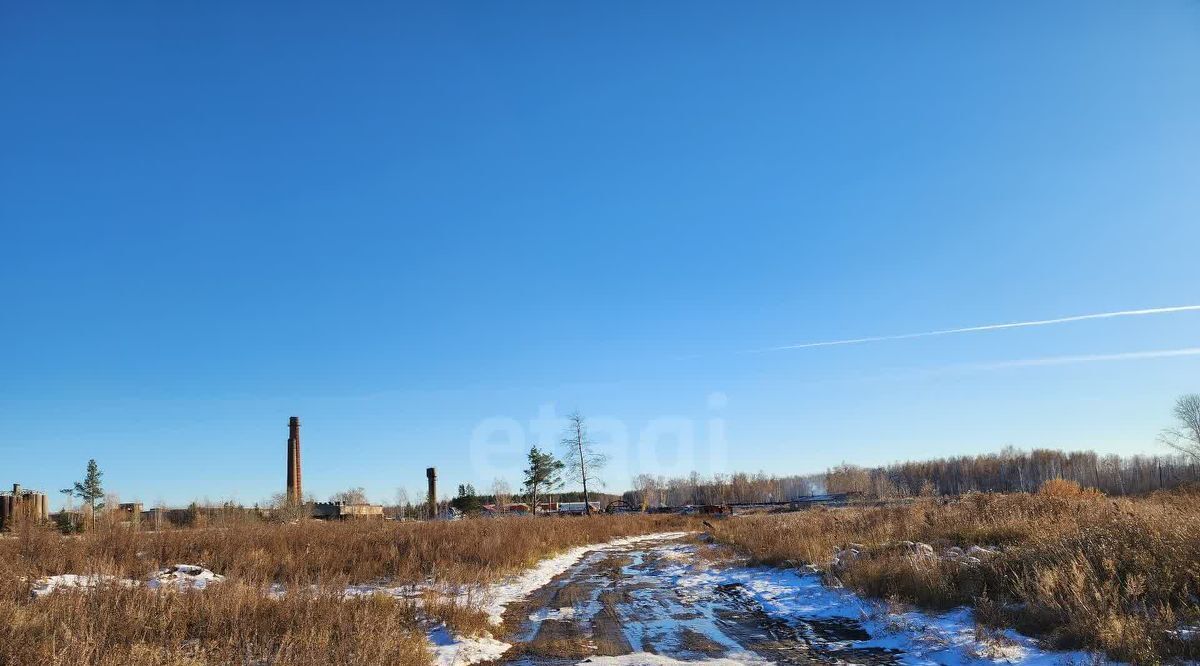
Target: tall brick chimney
[[294, 494], [431, 475]]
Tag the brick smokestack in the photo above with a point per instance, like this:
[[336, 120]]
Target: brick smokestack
[[294, 494], [431, 474]]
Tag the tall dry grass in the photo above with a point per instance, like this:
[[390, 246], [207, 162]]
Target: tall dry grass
[[236, 621], [313, 552], [1075, 567], [230, 623]]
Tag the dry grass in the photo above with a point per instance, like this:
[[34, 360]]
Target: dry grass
[[236, 621], [313, 552], [227, 624], [1076, 567]]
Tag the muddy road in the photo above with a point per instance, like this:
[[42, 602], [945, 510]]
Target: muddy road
[[675, 599]]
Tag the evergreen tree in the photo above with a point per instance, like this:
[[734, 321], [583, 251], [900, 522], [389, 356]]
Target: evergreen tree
[[467, 501], [90, 489], [543, 475]]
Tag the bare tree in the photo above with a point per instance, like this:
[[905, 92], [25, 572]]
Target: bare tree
[[285, 509], [351, 496], [402, 503], [583, 462], [645, 488], [502, 494], [1184, 437]]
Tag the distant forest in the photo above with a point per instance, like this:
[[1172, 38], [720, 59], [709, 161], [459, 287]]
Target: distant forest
[[1010, 470]]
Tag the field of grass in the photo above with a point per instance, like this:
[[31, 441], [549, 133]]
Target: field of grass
[[238, 621], [1082, 570]]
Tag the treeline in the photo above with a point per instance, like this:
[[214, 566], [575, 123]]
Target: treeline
[[1008, 471], [1012, 470], [656, 491]]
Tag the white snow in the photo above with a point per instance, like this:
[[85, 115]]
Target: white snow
[[516, 589], [923, 638], [51, 584], [183, 577], [552, 614], [450, 650], [177, 577], [649, 659]]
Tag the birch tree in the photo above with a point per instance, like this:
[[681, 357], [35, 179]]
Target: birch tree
[[583, 462], [1184, 436]]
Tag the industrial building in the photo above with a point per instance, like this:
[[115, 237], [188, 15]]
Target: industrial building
[[20, 505], [344, 511]]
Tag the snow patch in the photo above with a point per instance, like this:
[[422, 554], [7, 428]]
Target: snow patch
[[925, 638], [51, 584], [553, 614], [174, 578], [183, 577], [452, 650]]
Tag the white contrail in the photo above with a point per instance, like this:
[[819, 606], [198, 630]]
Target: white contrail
[[988, 327], [1083, 358]]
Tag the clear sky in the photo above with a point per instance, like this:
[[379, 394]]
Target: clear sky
[[422, 227]]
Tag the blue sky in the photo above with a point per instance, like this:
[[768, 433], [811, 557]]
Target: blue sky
[[421, 227]]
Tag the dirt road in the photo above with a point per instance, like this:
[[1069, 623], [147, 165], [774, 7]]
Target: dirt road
[[672, 599]]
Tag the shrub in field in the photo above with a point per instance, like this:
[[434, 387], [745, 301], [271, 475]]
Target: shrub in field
[[1064, 488]]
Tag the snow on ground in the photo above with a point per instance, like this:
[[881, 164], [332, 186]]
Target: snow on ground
[[648, 659], [920, 638], [183, 577], [452, 650], [791, 594], [552, 614], [177, 577], [62, 582], [923, 638], [501, 595]]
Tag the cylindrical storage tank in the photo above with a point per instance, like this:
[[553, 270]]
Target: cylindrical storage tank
[[21, 507], [6, 506], [43, 512]]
